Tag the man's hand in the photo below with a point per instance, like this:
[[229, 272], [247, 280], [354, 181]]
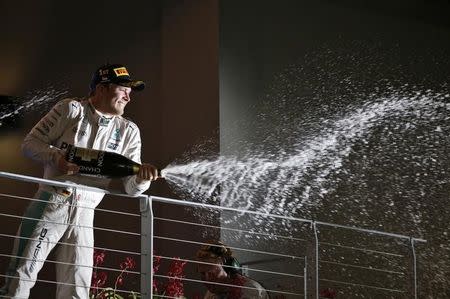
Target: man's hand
[[62, 165], [147, 172]]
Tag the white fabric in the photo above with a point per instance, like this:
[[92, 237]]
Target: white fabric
[[73, 122], [78, 123]]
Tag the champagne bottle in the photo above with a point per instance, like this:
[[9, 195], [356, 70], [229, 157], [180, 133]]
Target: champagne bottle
[[100, 163]]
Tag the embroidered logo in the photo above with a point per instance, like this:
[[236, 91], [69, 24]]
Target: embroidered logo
[[116, 135], [121, 71], [103, 121], [112, 146], [38, 248]]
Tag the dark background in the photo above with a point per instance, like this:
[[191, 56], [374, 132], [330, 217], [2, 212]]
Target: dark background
[[51, 47], [292, 64]]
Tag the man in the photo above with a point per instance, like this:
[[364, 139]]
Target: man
[[222, 275], [66, 214]]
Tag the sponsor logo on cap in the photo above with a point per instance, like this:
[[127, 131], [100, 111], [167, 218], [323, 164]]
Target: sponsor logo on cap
[[103, 72], [121, 71]]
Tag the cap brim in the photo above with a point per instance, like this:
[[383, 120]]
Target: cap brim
[[134, 85]]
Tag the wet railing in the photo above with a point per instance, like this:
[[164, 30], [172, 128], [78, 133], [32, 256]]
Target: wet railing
[[309, 259]]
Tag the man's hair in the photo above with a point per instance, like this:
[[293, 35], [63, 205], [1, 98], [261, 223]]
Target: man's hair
[[217, 250], [92, 91]]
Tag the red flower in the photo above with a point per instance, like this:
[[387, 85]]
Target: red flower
[[176, 268], [174, 287], [119, 281], [99, 279], [328, 293], [156, 263], [129, 263], [99, 257]]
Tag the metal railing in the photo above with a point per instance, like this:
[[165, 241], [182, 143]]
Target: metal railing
[[311, 266]]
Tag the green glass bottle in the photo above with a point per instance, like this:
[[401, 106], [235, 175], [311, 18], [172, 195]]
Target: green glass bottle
[[100, 163]]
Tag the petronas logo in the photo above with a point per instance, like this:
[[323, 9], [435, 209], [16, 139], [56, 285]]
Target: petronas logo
[[116, 135]]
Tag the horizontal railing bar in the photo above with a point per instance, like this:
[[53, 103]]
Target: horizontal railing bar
[[69, 264], [70, 205], [362, 285], [228, 285], [361, 249], [75, 225], [235, 248], [65, 283], [230, 229], [68, 184], [204, 205], [31, 179], [249, 269], [370, 231], [361, 267], [69, 244]]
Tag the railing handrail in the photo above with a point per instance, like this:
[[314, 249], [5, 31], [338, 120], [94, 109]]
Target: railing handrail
[[203, 205], [32, 179], [147, 234]]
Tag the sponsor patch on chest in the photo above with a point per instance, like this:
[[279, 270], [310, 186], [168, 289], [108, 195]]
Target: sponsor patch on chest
[[112, 146]]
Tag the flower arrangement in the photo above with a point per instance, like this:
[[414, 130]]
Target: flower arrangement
[[99, 278], [172, 288], [328, 293]]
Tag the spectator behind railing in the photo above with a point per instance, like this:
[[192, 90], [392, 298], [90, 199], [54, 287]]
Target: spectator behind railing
[[222, 274]]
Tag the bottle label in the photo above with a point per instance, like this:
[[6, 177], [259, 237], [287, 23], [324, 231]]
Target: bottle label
[[90, 169], [86, 154], [100, 163]]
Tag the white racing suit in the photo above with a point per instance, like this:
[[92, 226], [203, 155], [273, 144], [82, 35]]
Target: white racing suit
[[60, 213]]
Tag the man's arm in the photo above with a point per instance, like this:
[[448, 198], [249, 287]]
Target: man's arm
[[39, 145], [137, 184]]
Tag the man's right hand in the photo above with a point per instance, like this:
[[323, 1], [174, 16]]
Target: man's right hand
[[62, 165], [147, 172]]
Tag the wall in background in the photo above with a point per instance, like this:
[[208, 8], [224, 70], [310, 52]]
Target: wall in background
[[272, 52], [50, 47]]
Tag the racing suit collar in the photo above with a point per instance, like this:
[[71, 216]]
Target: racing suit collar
[[98, 117]]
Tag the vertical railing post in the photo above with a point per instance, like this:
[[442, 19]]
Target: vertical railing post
[[316, 262], [305, 278], [413, 269], [146, 247], [312, 255]]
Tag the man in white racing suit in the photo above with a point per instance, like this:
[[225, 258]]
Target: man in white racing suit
[[65, 215]]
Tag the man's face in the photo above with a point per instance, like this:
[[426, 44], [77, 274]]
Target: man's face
[[213, 273], [116, 97]]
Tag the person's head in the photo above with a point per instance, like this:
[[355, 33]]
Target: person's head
[[217, 264], [110, 88]]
